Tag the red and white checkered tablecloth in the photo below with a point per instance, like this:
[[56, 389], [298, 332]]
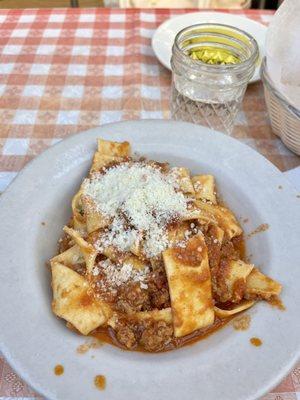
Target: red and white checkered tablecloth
[[67, 70]]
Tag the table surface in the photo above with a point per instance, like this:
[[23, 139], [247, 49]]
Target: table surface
[[67, 70]]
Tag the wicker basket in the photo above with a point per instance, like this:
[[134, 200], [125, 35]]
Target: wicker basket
[[285, 119]]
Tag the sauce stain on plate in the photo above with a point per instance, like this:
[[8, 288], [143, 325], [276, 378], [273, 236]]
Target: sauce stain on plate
[[100, 382], [241, 323], [58, 369], [276, 301], [255, 341], [259, 229], [94, 344]]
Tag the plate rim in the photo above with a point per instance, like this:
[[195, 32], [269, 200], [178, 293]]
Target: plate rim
[[5, 350], [154, 39]]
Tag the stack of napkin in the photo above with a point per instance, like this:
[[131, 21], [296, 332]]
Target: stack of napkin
[[283, 51]]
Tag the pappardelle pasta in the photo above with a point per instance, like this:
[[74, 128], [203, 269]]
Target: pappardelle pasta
[[150, 258]]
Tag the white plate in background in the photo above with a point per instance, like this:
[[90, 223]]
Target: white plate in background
[[163, 38], [223, 366]]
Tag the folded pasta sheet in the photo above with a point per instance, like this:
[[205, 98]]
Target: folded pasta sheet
[[184, 180], [235, 279], [87, 250], [71, 256], [259, 285], [109, 153], [190, 286], [224, 217], [79, 219], [204, 186], [94, 219], [235, 310], [73, 301], [102, 161], [157, 315], [164, 315], [118, 149]]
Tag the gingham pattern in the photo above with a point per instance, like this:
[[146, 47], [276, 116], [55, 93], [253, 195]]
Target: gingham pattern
[[67, 70]]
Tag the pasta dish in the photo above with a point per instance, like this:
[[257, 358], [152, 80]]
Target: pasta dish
[[151, 259]]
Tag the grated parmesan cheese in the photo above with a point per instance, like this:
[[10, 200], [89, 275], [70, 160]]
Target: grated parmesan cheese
[[198, 186], [117, 274], [141, 200]]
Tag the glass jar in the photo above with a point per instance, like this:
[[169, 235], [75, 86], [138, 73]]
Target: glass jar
[[211, 94]]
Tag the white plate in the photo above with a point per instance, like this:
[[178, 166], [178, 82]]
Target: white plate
[[163, 38], [224, 366]]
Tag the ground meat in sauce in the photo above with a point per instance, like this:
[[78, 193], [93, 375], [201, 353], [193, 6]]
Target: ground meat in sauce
[[80, 268], [151, 335], [125, 335], [64, 243], [219, 258], [238, 244], [214, 252], [160, 299], [109, 296], [156, 336], [228, 251], [156, 263], [158, 289], [131, 298]]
